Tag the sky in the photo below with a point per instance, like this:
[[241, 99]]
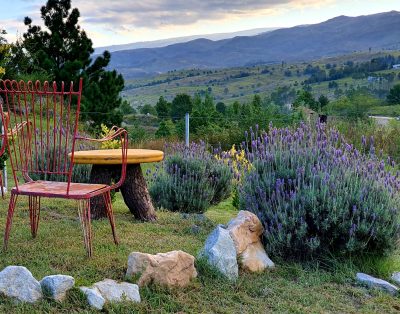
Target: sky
[[111, 22]]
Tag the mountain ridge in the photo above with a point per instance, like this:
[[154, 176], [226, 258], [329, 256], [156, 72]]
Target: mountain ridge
[[339, 35]]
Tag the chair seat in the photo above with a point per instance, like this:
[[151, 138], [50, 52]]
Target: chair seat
[[59, 189]]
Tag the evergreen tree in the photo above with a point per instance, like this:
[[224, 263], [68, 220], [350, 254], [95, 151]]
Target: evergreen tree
[[163, 108], [181, 104], [221, 107], [393, 98], [63, 50]]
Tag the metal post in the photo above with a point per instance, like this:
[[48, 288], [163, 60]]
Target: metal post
[[187, 129]]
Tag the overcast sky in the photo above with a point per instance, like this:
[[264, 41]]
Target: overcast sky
[[110, 22]]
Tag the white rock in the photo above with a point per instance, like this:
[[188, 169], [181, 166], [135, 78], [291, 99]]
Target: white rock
[[175, 268], [396, 277], [56, 286], [255, 259], [114, 292], [93, 297], [220, 252], [17, 282], [246, 230], [376, 283]]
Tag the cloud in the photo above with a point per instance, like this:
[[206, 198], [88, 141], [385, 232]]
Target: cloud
[[161, 13], [100, 18]]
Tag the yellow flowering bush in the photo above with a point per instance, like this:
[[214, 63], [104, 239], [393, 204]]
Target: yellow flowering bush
[[239, 164], [111, 144], [4, 56]]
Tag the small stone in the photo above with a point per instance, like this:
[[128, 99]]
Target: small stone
[[93, 297], [396, 277], [113, 291], [18, 283], [220, 252], [376, 283], [56, 286], [170, 269], [255, 259], [195, 229]]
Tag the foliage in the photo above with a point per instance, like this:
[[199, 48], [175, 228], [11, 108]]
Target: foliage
[[148, 109], [354, 106], [240, 165], [181, 104], [111, 144], [190, 180], [166, 129], [163, 108], [393, 98], [5, 52], [62, 49], [317, 194]]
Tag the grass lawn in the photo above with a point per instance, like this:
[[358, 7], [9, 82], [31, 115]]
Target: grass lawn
[[290, 288]]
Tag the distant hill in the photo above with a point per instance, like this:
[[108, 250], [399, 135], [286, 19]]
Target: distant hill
[[336, 36], [176, 40]]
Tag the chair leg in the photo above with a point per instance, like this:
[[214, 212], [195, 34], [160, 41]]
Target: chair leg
[[110, 215], [11, 208], [34, 214], [1, 185], [84, 216]]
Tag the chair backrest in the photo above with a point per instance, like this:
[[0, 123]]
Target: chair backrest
[[41, 123]]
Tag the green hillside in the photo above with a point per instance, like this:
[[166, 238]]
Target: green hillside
[[242, 83]]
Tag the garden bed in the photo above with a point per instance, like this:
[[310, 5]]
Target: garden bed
[[291, 287]]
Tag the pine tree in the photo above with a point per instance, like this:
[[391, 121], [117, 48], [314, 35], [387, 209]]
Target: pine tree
[[63, 50]]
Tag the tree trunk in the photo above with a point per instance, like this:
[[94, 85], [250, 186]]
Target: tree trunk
[[134, 191], [136, 194], [100, 174]]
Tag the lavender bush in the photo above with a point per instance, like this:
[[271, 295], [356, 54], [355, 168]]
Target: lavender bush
[[315, 193], [190, 179]]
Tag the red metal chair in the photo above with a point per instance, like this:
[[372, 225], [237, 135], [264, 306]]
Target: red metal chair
[[42, 129]]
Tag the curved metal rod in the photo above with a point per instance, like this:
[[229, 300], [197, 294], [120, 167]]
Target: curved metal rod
[[114, 132]]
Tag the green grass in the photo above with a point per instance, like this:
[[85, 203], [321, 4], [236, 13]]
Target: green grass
[[290, 288], [389, 111]]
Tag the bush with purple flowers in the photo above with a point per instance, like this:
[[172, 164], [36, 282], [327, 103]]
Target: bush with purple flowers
[[190, 179], [315, 193]]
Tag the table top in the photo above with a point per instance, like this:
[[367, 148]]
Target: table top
[[114, 156]]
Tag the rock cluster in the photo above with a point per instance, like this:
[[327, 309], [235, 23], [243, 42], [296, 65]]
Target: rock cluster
[[17, 282], [172, 269], [239, 241]]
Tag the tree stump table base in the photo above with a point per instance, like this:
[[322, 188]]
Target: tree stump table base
[[134, 191], [106, 169]]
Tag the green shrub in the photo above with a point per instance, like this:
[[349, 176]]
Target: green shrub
[[190, 180], [315, 193]]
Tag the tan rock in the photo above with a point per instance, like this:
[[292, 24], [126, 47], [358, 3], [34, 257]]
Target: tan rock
[[255, 259], [170, 269], [245, 229]]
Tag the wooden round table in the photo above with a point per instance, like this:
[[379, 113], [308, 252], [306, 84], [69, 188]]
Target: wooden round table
[[107, 167]]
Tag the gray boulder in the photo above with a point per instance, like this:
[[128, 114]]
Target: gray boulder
[[56, 286], [220, 252], [396, 277], [93, 297], [376, 283], [18, 283], [114, 292]]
